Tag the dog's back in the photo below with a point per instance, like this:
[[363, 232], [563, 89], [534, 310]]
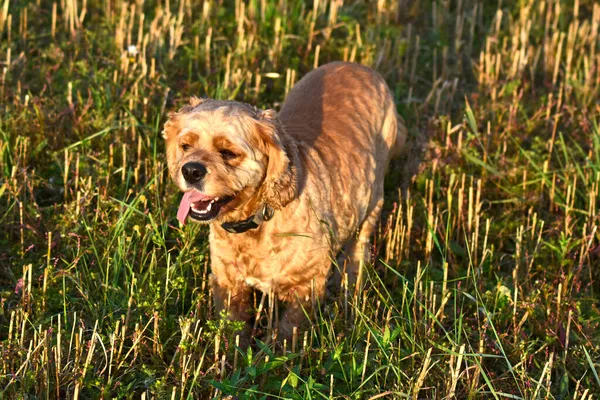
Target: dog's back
[[338, 105]]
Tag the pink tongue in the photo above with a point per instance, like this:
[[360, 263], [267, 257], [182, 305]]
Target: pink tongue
[[186, 202]]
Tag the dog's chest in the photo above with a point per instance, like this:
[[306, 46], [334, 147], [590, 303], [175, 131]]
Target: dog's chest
[[265, 265], [241, 261], [258, 267]]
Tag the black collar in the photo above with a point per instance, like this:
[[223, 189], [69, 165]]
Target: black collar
[[251, 222]]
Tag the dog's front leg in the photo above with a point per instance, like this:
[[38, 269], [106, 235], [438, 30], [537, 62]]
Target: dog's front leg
[[235, 300], [301, 302]]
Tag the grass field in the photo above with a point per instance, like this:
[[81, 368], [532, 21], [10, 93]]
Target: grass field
[[487, 279]]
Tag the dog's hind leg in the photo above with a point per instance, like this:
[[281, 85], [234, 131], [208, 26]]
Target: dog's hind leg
[[356, 252], [360, 251]]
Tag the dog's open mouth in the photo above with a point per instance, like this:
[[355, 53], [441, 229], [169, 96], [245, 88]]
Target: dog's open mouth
[[200, 207]]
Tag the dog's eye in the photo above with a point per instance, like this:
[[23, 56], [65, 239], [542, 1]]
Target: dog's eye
[[227, 154], [185, 147]]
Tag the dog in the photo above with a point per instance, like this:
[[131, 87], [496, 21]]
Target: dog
[[285, 193]]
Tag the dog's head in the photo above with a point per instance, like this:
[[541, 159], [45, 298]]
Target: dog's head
[[229, 158]]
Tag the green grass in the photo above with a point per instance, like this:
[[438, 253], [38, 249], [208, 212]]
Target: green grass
[[486, 283]]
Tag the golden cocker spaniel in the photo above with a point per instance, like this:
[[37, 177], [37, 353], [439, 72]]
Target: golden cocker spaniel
[[284, 193]]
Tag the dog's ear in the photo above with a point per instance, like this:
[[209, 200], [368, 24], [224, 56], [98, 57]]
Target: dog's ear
[[279, 187]]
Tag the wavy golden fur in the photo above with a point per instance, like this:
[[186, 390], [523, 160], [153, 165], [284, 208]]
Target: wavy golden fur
[[319, 163]]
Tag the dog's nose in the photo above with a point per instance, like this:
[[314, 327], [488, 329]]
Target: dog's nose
[[193, 172]]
